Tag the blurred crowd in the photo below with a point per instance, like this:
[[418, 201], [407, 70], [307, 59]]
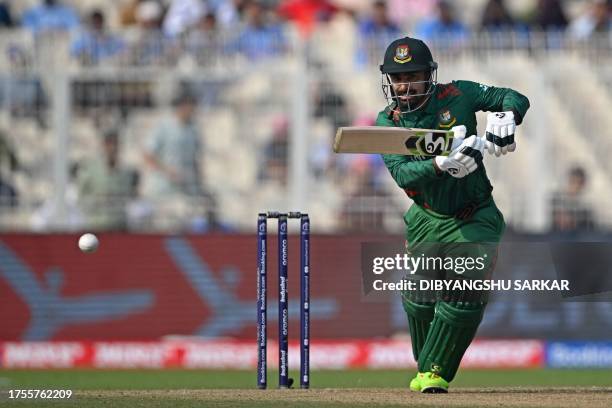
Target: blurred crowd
[[107, 194], [255, 28]]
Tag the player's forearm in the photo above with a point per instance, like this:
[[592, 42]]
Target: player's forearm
[[517, 103], [408, 174]]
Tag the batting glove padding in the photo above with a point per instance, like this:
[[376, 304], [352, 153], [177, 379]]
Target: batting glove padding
[[459, 133], [464, 160], [500, 133]]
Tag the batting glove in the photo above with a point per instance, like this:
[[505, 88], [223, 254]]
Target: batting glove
[[464, 160], [500, 133], [459, 133]]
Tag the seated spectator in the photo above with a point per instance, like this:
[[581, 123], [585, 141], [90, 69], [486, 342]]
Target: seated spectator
[[570, 213], [95, 43], [596, 20], [106, 187], [6, 20], [182, 15], [409, 12], [50, 16], [148, 46], [259, 38], [496, 17], [203, 41], [228, 12], [549, 16], [173, 153], [501, 28], [376, 31], [445, 29], [306, 14]]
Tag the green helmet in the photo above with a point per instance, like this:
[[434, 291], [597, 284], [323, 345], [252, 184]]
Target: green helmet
[[407, 55]]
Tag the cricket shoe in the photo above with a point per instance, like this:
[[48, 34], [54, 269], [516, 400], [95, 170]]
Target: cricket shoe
[[415, 383], [432, 383]]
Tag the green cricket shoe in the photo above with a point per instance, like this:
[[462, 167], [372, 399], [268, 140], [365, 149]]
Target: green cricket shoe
[[431, 383], [415, 383]]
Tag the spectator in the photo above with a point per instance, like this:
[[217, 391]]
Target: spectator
[[8, 163], [229, 12], [596, 20], [306, 14], [276, 153], [495, 17], [203, 42], [173, 153], [95, 43], [45, 217], [6, 20], [445, 28], [50, 16], [259, 37], [329, 103], [570, 214], [182, 15], [148, 46], [106, 187], [148, 15], [549, 16], [377, 22], [375, 32], [409, 12], [501, 28]]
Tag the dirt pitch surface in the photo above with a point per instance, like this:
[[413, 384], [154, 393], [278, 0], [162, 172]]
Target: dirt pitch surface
[[464, 397]]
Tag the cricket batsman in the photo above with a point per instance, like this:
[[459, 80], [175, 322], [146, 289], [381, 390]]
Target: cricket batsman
[[453, 205]]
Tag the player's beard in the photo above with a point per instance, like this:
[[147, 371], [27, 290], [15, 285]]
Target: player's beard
[[416, 101], [408, 102]]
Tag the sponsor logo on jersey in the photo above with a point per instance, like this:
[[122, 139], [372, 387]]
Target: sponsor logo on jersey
[[402, 54]]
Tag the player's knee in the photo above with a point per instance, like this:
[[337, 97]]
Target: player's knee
[[460, 314], [420, 311]]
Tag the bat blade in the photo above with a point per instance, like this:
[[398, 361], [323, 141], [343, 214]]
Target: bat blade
[[392, 140]]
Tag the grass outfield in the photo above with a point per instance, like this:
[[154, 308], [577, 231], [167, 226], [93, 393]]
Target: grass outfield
[[197, 379], [334, 389]]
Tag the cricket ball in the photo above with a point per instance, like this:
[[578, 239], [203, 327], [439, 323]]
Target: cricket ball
[[88, 243]]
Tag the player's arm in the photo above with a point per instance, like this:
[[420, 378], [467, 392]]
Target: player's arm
[[410, 172], [407, 171], [508, 109]]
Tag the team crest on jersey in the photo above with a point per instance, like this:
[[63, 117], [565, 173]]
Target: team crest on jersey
[[446, 119], [402, 54]]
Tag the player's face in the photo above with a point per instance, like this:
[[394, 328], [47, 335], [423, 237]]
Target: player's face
[[410, 87]]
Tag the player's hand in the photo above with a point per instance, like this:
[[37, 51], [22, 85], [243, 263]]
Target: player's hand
[[459, 133], [464, 160], [500, 133]]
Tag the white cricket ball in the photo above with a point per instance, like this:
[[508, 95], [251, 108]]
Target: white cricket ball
[[88, 243]]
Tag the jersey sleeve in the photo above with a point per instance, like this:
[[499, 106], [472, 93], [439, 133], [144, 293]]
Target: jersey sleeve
[[407, 171], [494, 99]]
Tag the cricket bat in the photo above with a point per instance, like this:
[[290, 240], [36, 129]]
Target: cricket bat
[[393, 140]]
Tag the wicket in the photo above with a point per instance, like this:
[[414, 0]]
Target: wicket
[[283, 300]]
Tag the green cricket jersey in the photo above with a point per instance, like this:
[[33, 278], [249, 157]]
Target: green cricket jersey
[[450, 105]]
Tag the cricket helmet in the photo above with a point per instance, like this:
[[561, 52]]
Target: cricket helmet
[[407, 55]]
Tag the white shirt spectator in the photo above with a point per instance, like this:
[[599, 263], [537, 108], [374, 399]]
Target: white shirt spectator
[[182, 15], [175, 145]]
